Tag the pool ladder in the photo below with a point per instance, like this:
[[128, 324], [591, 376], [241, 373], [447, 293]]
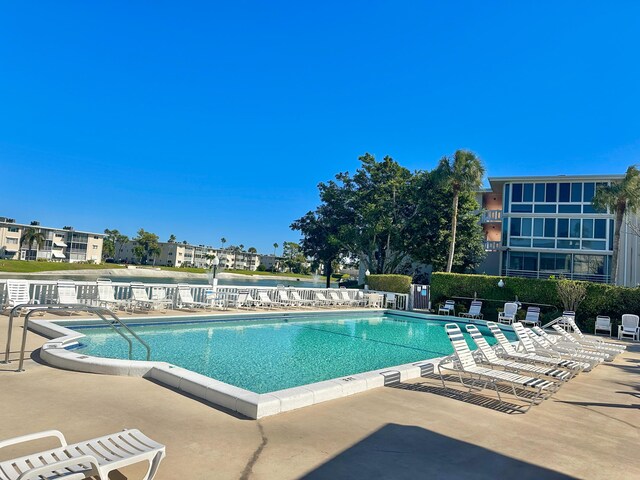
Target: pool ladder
[[106, 315]]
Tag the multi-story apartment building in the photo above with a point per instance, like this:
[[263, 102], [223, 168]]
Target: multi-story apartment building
[[543, 226], [60, 244], [174, 254]]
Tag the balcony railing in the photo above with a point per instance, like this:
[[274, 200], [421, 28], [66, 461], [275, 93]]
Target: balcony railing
[[491, 216], [491, 246]]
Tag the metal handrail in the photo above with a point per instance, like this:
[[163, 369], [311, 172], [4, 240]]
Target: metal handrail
[[99, 311]]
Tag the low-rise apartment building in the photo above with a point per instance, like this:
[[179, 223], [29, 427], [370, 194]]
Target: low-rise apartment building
[[539, 227], [174, 254], [60, 244]]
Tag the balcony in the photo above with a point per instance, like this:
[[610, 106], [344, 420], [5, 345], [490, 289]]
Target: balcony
[[491, 246], [491, 216]]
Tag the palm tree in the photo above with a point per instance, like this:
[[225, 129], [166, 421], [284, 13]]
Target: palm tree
[[241, 246], [172, 238], [275, 248], [619, 198], [463, 173], [223, 241], [31, 236], [252, 250]]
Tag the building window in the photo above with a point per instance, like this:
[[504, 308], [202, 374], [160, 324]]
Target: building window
[[576, 192], [95, 247], [565, 192], [589, 191], [550, 196], [13, 229], [12, 241]]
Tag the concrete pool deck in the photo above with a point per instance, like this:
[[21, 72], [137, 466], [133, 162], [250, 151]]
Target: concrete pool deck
[[589, 429]]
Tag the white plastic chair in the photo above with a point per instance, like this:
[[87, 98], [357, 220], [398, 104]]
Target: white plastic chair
[[17, 294], [474, 310], [629, 327], [603, 323], [448, 308], [533, 316], [508, 315]]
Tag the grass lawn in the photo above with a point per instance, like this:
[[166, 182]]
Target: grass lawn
[[24, 266]]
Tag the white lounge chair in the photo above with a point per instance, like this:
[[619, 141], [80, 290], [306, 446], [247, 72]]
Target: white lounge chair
[[185, 298], [474, 310], [18, 294], [334, 298], [533, 316], [462, 364], [505, 349], [487, 355], [283, 298], [305, 302], [592, 350], [449, 308], [603, 323], [344, 294], [374, 300], [508, 314], [322, 300], [97, 457], [140, 298], [107, 296], [594, 341], [244, 300], [629, 327], [543, 343], [67, 292], [265, 300]]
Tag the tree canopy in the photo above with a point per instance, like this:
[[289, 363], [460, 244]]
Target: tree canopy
[[146, 246], [390, 218]]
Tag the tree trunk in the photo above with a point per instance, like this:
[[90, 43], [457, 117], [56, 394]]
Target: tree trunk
[[616, 242], [454, 224], [328, 271]]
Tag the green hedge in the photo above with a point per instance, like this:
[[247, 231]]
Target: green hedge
[[389, 283], [602, 299]]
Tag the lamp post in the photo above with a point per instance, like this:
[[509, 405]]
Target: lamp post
[[214, 264], [501, 283], [366, 275]]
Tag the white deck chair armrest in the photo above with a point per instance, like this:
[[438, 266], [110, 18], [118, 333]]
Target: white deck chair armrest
[[34, 436], [69, 462]]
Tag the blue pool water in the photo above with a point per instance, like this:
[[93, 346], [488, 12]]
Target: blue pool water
[[269, 355]]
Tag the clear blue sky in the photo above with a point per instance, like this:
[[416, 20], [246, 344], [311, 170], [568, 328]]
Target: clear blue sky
[[209, 120]]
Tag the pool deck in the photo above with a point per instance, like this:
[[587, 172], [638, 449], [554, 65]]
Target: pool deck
[[415, 429]]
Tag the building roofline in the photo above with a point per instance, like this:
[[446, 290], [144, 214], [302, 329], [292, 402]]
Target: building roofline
[[612, 176], [44, 227]]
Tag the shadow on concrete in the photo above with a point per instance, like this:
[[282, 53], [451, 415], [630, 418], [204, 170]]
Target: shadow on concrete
[[600, 404], [409, 452]]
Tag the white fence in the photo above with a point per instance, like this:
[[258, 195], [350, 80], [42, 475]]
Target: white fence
[[46, 292]]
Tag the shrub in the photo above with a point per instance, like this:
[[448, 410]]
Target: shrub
[[261, 268], [600, 299], [390, 283], [571, 293]]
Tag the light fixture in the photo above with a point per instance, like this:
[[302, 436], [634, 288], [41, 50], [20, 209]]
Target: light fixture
[[367, 272], [501, 283], [215, 262]]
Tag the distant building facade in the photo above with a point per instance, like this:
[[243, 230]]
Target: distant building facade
[[173, 254], [60, 244], [538, 227]]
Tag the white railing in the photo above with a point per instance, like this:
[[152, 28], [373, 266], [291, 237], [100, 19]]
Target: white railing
[[491, 246], [45, 292], [490, 216]]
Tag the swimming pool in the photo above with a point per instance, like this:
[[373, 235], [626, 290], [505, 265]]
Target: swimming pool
[[267, 355]]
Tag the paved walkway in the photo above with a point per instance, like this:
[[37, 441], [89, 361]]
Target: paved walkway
[[414, 430]]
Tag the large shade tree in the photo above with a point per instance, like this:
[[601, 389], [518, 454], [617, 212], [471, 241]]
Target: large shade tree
[[620, 198], [461, 173], [146, 246]]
